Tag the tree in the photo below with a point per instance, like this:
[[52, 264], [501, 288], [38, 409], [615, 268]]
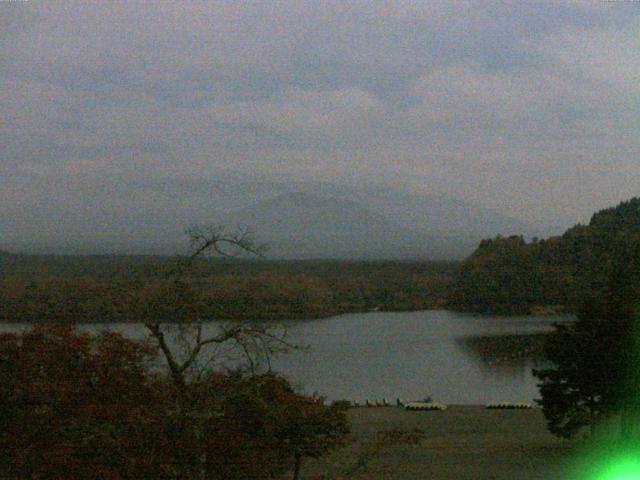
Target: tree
[[307, 427], [179, 306], [79, 407], [596, 359], [91, 407], [272, 427]]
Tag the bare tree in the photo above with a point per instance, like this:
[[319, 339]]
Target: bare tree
[[218, 240], [191, 348]]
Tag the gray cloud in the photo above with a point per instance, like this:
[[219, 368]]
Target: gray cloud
[[529, 108]]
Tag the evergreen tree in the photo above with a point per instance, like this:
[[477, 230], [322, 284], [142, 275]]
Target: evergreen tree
[[596, 369]]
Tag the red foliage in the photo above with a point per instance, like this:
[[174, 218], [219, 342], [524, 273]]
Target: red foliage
[[74, 406], [271, 426], [79, 407]]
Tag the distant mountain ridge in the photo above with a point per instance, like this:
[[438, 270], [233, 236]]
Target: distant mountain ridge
[[139, 215], [440, 215], [316, 224], [303, 225]]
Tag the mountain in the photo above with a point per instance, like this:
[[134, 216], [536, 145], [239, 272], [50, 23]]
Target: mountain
[[143, 215], [303, 225], [434, 215], [365, 225]]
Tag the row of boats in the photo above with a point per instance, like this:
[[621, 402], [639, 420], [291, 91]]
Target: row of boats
[[509, 406], [428, 404]]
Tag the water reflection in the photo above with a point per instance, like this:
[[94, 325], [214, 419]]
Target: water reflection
[[505, 350]]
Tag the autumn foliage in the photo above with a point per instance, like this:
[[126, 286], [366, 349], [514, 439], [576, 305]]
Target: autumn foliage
[[266, 428], [75, 406]]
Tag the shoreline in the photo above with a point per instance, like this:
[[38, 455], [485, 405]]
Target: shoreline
[[312, 318]]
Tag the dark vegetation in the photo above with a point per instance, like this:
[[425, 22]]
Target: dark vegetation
[[106, 407], [510, 275], [591, 270], [99, 288], [75, 406], [596, 360]]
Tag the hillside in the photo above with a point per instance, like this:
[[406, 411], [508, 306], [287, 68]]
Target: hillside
[[510, 275]]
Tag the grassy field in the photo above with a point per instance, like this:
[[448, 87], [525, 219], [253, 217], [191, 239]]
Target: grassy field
[[463, 442]]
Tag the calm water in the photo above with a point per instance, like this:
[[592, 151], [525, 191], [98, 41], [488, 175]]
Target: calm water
[[413, 355], [409, 355]]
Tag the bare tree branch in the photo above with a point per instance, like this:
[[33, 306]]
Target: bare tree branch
[[174, 367], [220, 241], [253, 340]]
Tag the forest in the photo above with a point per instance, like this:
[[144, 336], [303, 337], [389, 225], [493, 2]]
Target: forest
[[99, 288], [510, 275]]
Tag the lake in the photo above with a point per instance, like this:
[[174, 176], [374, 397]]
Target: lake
[[454, 358]]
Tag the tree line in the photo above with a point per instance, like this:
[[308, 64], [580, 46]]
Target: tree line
[[243, 290], [592, 271], [595, 361]]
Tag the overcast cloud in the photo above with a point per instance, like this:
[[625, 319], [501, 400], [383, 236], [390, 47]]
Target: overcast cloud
[[532, 108]]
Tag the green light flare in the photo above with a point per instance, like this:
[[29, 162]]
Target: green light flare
[[622, 469], [608, 460]]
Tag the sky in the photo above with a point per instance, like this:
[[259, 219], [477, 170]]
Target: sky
[[125, 109]]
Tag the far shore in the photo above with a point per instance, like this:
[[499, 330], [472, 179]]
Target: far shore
[[542, 312]]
